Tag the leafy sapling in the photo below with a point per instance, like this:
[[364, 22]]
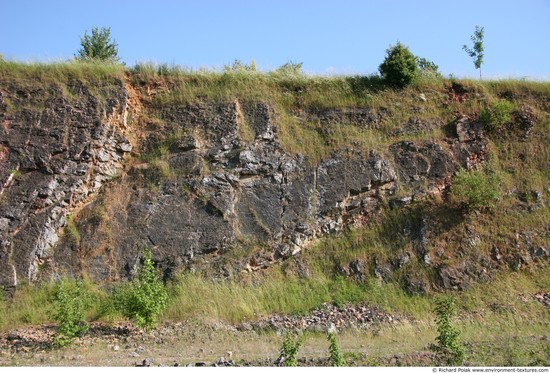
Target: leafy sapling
[[476, 52]]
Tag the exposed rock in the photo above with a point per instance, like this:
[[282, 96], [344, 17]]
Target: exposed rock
[[538, 252], [222, 179], [55, 157]]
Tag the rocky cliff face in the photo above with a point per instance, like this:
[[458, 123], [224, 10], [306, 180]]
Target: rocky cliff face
[[204, 179], [59, 146]]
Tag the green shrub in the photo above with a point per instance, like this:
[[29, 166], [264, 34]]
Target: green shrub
[[289, 349], [69, 301], [143, 299], [239, 66], [427, 68], [336, 357], [291, 67], [98, 46], [400, 68], [474, 189], [71, 230], [496, 115], [449, 348]]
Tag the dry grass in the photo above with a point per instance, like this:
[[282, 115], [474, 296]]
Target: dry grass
[[60, 72]]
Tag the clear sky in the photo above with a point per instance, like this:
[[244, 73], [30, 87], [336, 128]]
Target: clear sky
[[336, 36]]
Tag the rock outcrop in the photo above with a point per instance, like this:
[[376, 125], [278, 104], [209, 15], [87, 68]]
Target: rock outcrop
[[201, 185], [59, 146]]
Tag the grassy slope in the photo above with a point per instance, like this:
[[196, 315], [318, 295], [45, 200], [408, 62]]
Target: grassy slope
[[500, 309]]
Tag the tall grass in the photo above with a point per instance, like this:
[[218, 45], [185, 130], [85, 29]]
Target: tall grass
[[60, 72], [32, 304]]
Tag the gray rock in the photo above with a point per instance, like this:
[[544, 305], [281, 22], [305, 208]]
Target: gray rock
[[538, 252]]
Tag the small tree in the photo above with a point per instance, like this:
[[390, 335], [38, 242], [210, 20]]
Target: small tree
[[145, 297], [289, 350], [400, 67], [449, 348], [477, 50], [98, 46], [69, 302]]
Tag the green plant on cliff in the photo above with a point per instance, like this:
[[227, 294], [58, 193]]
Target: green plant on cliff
[[449, 348], [71, 230], [496, 115], [400, 67], [98, 46], [474, 189], [69, 303], [145, 297]]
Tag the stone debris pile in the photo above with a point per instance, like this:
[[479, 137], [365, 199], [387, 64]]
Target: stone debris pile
[[345, 316]]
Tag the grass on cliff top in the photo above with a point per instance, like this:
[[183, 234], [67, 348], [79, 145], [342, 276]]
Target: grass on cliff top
[[172, 83], [430, 101], [293, 89], [59, 72]]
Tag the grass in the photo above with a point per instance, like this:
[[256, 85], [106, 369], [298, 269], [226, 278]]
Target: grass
[[32, 305], [508, 297], [510, 334], [59, 72]]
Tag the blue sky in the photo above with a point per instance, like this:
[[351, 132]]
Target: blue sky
[[335, 37]]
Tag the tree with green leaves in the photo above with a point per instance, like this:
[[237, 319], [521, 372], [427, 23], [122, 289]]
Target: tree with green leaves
[[69, 302], [400, 67], [98, 46], [476, 52]]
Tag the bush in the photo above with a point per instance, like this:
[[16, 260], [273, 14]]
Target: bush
[[69, 301], [239, 66], [289, 350], [496, 115], [144, 298], [427, 68], [449, 348], [400, 68], [474, 189], [98, 46], [291, 67], [336, 358]]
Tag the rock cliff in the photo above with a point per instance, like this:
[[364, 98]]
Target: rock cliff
[[90, 174]]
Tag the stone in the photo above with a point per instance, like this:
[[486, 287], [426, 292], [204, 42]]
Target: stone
[[538, 252]]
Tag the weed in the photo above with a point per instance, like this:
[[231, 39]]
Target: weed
[[496, 115], [289, 349], [335, 355], [449, 348], [16, 173], [71, 230], [474, 189]]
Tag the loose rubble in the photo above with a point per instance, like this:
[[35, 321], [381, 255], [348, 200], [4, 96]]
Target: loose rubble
[[346, 316]]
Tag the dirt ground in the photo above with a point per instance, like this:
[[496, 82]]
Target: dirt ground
[[185, 344]]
